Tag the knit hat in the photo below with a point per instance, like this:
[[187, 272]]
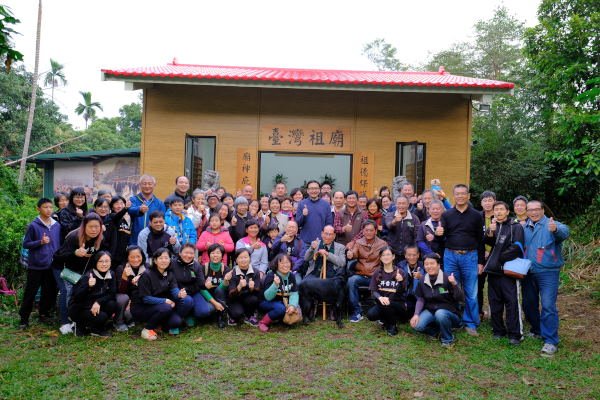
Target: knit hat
[[240, 200]]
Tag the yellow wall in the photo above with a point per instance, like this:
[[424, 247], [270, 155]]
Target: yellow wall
[[235, 115]]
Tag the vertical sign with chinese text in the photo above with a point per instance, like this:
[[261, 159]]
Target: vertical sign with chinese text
[[247, 168], [363, 170]]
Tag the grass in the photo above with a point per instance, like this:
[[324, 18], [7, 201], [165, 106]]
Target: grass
[[316, 361]]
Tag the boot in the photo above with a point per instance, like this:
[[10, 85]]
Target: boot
[[264, 323], [222, 320]]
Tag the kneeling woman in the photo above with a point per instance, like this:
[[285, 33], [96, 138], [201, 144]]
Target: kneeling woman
[[93, 299], [438, 297], [216, 277], [154, 304], [280, 292], [129, 274], [244, 290], [189, 279], [388, 287]]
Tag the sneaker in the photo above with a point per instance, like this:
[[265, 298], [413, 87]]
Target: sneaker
[[121, 327], [534, 335], [251, 321], [392, 330], [447, 345], [102, 334], [514, 342], [548, 350], [471, 331], [231, 322], [23, 326], [356, 318], [190, 322], [130, 324], [65, 329], [149, 334], [221, 320], [174, 331]]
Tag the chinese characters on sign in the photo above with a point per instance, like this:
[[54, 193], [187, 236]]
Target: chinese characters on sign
[[306, 139], [247, 168], [363, 169]]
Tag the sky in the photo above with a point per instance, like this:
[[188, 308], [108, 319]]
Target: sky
[[86, 36]]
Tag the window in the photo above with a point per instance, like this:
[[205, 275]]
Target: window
[[199, 158], [410, 162]]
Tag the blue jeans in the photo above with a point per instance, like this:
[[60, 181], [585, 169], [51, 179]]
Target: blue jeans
[[184, 306], [441, 322], [63, 310], [542, 286], [354, 282], [274, 308], [464, 268], [202, 308]]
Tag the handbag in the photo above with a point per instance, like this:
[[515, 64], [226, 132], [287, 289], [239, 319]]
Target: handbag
[[69, 275], [519, 267], [291, 318]]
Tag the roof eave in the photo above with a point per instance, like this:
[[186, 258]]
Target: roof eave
[[135, 83]]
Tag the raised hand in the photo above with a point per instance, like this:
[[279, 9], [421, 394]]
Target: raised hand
[[452, 279], [305, 211], [439, 231], [228, 276], [172, 240], [251, 284], [143, 208], [552, 225], [208, 284], [493, 225], [45, 238], [233, 221], [243, 283], [277, 280], [91, 280], [399, 277], [95, 308], [79, 212], [182, 293]]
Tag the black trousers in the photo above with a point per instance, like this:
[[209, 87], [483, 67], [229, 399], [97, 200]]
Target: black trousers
[[244, 305], [390, 314], [480, 286], [155, 315], [35, 280], [86, 320], [503, 295]]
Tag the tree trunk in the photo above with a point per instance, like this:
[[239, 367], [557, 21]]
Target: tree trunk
[[33, 97]]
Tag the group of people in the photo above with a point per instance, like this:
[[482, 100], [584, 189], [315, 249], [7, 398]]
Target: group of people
[[210, 255]]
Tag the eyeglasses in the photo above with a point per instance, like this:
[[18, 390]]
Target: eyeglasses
[[313, 188], [534, 209]]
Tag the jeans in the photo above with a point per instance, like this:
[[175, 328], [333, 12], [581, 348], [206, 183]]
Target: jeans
[[202, 308], [442, 322], [184, 306], [274, 308], [62, 297], [542, 286], [464, 268], [354, 282]]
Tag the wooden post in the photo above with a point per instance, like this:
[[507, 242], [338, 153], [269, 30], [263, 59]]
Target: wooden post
[[324, 276]]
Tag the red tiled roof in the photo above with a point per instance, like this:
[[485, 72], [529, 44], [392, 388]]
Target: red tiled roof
[[175, 71]]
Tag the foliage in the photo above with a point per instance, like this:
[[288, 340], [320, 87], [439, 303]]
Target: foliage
[[7, 51], [16, 211], [15, 96], [279, 178], [88, 108], [383, 55], [327, 178], [55, 77], [458, 60], [563, 50]]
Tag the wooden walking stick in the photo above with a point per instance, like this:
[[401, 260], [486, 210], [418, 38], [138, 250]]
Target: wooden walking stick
[[324, 276]]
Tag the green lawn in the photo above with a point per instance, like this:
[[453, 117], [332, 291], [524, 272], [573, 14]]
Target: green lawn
[[316, 361]]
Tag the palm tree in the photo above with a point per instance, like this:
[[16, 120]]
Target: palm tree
[[55, 76], [88, 108], [33, 96]]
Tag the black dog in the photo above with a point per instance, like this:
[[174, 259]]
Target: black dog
[[331, 291]]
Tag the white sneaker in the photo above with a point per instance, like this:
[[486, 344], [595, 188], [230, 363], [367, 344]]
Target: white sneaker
[[66, 329], [149, 334]]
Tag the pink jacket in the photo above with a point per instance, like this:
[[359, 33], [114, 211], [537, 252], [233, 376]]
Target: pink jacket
[[207, 238]]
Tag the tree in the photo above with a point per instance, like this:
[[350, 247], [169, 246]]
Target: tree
[[563, 50], [87, 109], [55, 76], [129, 124], [7, 52], [457, 60], [33, 96], [383, 55]]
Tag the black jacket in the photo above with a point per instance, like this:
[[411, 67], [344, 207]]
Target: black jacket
[[189, 276], [83, 296], [249, 275], [68, 220], [154, 284], [439, 294], [65, 256], [504, 247]]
